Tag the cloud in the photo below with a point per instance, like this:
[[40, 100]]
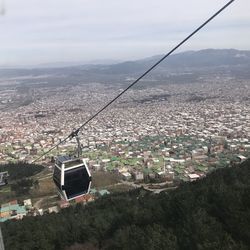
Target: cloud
[[41, 30]]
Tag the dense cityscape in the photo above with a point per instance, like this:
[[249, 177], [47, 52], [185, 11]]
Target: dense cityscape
[[213, 115]]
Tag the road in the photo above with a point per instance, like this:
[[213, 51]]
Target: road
[[145, 186]]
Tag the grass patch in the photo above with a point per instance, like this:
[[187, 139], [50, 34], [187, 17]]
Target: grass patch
[[104, 179], [120, 188]]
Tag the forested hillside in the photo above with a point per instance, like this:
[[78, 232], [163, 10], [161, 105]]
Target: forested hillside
[[212, 213], [21, 170]]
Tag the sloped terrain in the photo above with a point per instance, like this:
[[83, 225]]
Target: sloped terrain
[[212, 213]]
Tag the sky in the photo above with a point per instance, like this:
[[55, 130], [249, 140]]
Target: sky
[[35, 32]]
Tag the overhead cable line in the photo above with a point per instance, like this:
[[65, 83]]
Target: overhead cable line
[[75, 132]]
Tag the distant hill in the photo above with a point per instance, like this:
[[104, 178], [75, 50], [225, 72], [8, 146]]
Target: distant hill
[[212, 213], [189, 59], [230, 62]]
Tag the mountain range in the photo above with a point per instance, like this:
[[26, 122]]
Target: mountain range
[[185, 66]]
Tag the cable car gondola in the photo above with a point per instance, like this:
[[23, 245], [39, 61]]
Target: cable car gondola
[[72, 177], [4, 178], [71, 174]]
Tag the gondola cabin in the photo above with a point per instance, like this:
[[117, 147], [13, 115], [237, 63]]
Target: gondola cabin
[[4, 178], [72, 177]]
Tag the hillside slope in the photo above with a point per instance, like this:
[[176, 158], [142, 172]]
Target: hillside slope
[[212, 213]]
